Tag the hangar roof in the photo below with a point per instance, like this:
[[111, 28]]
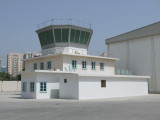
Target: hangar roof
[[148, 30]]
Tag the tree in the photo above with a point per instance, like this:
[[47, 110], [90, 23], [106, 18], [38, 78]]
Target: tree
[[5, 76], [19, 77], [8, 76]]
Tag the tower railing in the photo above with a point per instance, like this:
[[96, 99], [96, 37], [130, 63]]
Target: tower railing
[[63, 22]]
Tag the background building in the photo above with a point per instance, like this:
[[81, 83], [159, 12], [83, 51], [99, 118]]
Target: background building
[[14, 63], [139, 51], [3, 69]]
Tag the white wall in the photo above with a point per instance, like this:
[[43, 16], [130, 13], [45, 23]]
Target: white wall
[[109, 65], [52, 86], [141, 55], [90, 87], [63, 62], [10, 86], [66, 50], [83, 87], [69, 90], [28, 77], [56, 62]]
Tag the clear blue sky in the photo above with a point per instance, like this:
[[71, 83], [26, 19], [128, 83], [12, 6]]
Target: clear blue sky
[[18, 19]]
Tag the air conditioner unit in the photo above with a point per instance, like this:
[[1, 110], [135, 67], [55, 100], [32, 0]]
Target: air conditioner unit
[[76, 52]]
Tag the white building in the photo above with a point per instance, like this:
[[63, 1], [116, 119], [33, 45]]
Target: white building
[[66, 71], [28, 55], [138, 50]]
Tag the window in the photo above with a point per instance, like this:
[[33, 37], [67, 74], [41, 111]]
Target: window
[[65, 80], [24, 87], [35, 66], [41, 66], [101, 66], [43, 87], [32, 86], [84, 65], [74, 64], [93, 65], [49, 65], [103, 83]]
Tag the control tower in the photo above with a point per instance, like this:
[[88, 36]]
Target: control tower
[[64, 36]]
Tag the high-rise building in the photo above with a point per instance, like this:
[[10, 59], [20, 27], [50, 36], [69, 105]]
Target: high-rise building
[[3, 69], [14, 63]]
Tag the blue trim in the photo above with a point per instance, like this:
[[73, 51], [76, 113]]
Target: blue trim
[[84, 65], [43, 91], [32, 87], [49, 65], [42, 63], [102, 67], [24, 86], [35, 66], [94, 66], [75, 66]]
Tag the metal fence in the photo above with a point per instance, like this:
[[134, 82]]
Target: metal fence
[[122, 71], [63, 22]]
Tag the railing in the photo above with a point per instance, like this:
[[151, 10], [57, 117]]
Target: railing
[[66, 50], [122, 71], [63, 22]]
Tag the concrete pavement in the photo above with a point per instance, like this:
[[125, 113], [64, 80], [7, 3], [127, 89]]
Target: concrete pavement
[[12, 107]]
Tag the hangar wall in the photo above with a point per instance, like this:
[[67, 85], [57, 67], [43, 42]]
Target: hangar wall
[[140, 55]]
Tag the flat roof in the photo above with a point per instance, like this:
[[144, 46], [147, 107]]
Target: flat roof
[[145, 31], [116, 76], [87, 75], [49, 71], [77, 55]]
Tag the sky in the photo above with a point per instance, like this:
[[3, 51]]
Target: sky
[[19, 20]]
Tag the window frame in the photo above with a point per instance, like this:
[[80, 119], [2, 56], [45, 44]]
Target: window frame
[[32, 86], [24, 86], [41, 64], [94, 66], [85, 65], [102, 69], [103, 83], [74, 66], [43, 91], [35, 66], [49, 66]]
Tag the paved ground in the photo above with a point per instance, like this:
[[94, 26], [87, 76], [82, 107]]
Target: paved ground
[[12, 107]]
